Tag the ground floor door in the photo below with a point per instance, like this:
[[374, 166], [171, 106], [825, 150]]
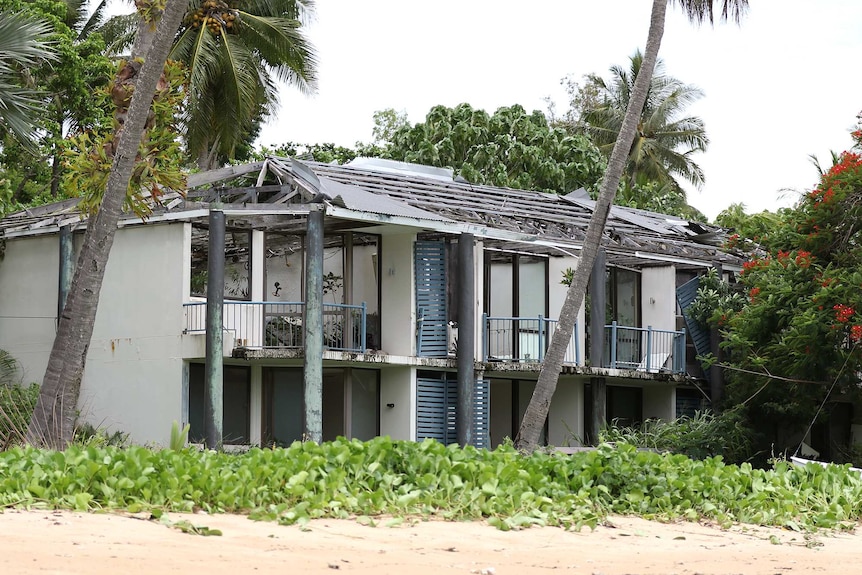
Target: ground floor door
[[350, 404]]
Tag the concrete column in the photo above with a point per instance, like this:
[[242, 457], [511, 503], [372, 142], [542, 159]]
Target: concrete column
[[466, 357], [313, 325], [598, 303], [255, 408], [716, 374], [599, 399], [214, 376]]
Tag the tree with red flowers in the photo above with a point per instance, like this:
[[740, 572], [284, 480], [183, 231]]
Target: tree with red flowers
[[802, 316]]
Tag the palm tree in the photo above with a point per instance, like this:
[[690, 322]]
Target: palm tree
[[53, 419], [23, 43], [537, 411], [665, 139], [232, 49]]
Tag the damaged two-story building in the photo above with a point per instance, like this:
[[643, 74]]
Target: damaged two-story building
[[424, 287]]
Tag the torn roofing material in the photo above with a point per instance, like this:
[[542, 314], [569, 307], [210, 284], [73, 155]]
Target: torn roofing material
[[543, 219]]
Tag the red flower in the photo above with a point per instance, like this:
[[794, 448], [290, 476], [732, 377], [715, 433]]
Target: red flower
[[843, 312], [803, 259], [856, 333]]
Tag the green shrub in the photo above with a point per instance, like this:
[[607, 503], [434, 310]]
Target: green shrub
[[704, 435], [17, 402], [383, 477]]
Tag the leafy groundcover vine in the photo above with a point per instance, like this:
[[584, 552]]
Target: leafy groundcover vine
[[362, 480]]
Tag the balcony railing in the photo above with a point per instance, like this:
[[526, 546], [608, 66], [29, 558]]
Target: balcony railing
[[526, 339], [523, 339], [279, 324], [644, 349]]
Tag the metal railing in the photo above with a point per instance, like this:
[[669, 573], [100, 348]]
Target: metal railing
[[523, 339], [644, 349], [279, 324]]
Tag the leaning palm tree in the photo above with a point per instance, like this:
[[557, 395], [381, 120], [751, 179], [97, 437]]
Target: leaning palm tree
[[665, 138], [537, 411], [232, 50], [54, 417], [23, 43]]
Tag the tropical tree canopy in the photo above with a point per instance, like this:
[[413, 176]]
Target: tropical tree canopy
[[509, 148], [23, 44], [666, 139], [64, 89], [802, 312], [234, 52]]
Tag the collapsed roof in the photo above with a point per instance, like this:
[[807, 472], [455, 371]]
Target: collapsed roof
[[275, 195]]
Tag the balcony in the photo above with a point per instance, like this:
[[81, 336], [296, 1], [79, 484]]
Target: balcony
[[523, 339], [526, 339], [258, 324]]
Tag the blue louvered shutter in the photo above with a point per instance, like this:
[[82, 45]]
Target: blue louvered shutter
[[430, 266], [685, 295], [436, 402], [482, 414]]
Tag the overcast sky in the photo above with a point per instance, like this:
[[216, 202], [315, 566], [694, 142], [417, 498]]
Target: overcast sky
[[783, 85]]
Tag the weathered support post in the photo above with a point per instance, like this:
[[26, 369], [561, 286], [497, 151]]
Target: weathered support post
[[598, 303], [313, 325], [466, 354], [214, 384], [348, 321], [67, 268], [599, 402], [716, 374]]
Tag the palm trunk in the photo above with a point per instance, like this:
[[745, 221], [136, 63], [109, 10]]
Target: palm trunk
[[537, 411], [54, 418]]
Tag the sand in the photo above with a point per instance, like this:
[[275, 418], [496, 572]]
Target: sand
[[68, 542]]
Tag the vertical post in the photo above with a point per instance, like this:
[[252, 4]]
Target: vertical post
[[484, 336], [613, 344], [348, 342], [313, 325], [599, 399], [576, 341], [598, 302], [214, 384], [716, 374], [464, 415], [362, 341], [649, 348], [541, 339], [67, 263]]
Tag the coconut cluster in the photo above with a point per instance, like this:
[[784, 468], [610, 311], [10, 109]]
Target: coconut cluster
[[215, 15]]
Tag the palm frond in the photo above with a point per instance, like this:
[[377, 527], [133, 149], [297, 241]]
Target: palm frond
[[23, 43], [282, 46]]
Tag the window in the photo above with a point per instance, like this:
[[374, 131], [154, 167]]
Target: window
[[237, 267]]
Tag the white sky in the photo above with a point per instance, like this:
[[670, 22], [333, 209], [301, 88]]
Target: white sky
[[783, 85]]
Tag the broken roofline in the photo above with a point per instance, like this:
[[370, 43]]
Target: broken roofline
[[359, 194]]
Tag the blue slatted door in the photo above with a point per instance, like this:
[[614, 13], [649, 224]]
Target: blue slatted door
[[437, 405], [436, 402], [685, 295], [430, 266], [482, 414]]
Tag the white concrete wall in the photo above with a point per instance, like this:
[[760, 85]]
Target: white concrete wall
[[566, 415], [398, 387], [133, 378], [29, 275], [658, 297], [659, 402], [398, 316], [557, 295]]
